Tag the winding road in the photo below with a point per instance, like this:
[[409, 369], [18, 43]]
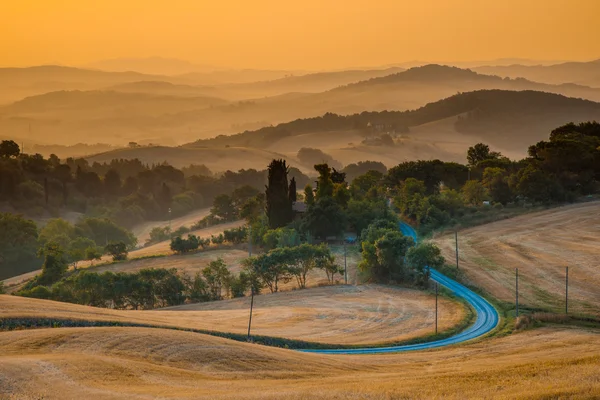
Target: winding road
[[487, 317]]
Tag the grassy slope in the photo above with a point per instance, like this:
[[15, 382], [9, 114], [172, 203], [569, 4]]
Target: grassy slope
[[113, 363], [540, 245], [333, 314]]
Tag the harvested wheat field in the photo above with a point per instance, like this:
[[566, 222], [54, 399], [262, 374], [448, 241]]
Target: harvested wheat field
[[141, 363], [541, 245], [334, 314]]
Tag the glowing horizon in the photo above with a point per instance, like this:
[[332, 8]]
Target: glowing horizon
[[319, 34]]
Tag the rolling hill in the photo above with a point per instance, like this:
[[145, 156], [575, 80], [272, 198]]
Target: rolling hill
[[509, 121], [18, 83], [582, 73], [149, 65], [98, 116], [483, 112], [184, 112]]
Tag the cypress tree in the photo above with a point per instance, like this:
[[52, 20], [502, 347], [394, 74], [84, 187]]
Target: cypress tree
[[279, 206], [293, 191]]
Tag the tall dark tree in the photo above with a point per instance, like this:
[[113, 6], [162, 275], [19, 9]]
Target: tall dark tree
[[338, 176], [293, 190], [481, 152], [9, 149], [324, 183], [112, 183], [279, 206]]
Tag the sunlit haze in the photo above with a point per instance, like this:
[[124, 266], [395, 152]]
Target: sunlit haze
[[312, 34]]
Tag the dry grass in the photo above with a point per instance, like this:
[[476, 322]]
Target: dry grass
[[335, 314], [540, 245], [118, 363]]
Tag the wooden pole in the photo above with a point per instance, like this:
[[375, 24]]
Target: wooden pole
[[517, 289], [251, 306], [436, 308], [567, 290], [345, 264], [456, 241]]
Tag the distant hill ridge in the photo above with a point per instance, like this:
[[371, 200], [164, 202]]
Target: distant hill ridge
[[528, 107]]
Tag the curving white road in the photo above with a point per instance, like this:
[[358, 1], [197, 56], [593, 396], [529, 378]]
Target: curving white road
[[487, 317]]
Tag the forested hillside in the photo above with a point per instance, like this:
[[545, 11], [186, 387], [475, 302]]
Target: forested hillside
[[520, 117]]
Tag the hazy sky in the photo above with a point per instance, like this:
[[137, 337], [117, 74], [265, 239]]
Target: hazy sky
[[293, 34]]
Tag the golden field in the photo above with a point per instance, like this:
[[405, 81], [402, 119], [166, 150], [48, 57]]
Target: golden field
[[541, 245], [142, 363]]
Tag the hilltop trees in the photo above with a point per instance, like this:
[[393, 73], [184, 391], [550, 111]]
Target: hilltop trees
[[480, 152], [9, 149]]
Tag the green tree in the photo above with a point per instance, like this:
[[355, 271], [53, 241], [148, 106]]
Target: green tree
[[77, 249], [269, 269], [324, 183], [495, 180], [383, 250], [55, 265], [253, 209], [223, 208], [103, 231], [341, 194], [240, 284], [9, 149], [117, 250], [92, 254], [422, 256], [309, 195], [474, 192], [293, 191], [55, 228], [362, 185], [18, 245], [537, 186], [480, 152], [112, 183], [409, 198], [390, 250], [198, 289], [325, 218], [217, 277], [242, 194], [278, 204], [304, 258]]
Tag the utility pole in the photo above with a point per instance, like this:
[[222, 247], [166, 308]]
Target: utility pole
[[345, 264], [170, 230], [456, 242], [249, 240], [567, 290], [436, 308], [251, 306], [517, 289]]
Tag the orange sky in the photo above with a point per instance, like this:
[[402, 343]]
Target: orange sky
[[293, 34]]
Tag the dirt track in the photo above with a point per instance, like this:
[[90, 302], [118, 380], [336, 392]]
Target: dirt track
[[541, 245]]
